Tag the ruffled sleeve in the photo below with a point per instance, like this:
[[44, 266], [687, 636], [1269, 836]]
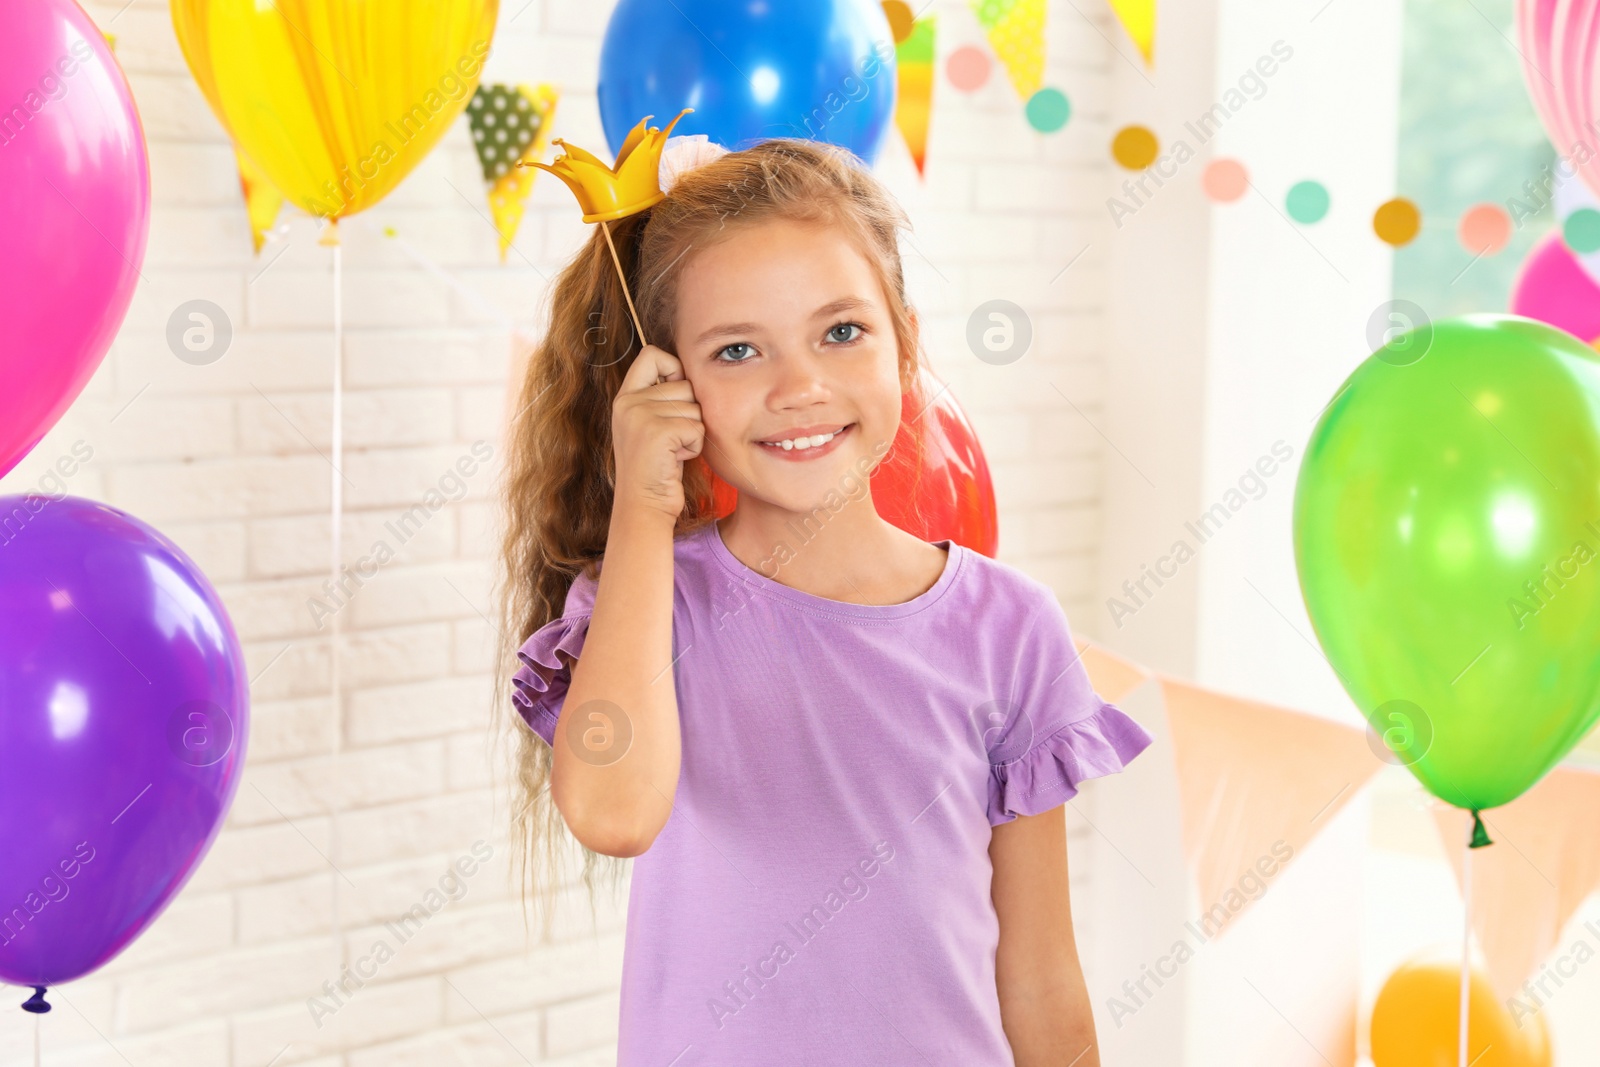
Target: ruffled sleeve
[[1058, 732], [540, 685]]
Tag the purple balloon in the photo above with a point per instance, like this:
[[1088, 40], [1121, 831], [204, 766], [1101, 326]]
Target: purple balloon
[[124, 708]]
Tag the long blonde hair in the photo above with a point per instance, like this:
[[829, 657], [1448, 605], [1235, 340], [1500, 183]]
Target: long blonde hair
[[559, 466]]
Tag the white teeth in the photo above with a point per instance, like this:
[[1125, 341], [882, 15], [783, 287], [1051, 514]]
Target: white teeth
[[803, 442]]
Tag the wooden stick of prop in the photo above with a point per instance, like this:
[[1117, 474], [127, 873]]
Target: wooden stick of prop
[[623, 278]]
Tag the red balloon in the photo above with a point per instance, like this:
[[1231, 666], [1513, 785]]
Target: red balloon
[[934, 482]]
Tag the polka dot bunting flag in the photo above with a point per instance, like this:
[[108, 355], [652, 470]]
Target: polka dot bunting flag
[[510, 124], [1015, 29]]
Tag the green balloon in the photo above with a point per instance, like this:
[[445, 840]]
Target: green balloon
[[1447, 537]]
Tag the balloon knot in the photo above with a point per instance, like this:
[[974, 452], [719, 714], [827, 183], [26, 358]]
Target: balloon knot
[[1480, 836], [36, 1003]]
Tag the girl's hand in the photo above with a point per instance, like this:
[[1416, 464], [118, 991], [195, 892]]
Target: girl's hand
[[655, 427]]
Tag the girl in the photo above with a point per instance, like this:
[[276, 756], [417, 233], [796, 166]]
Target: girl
[[838, 752]]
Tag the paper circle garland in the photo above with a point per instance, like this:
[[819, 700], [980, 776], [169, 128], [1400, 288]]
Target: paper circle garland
[[1224, 180], [968, 68], [1397, 221], [1568, 198], [1307, 202], [900, 19], [1581, 231], [1485, 229], [1135, 147], [1048, 110]]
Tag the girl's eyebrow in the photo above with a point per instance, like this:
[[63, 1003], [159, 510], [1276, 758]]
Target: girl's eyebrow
[[846, 303], [726, 330]]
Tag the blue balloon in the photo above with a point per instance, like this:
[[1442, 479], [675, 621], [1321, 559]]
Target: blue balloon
[[751, 69]]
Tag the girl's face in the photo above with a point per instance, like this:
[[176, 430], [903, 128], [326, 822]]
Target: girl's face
[[784, 332]]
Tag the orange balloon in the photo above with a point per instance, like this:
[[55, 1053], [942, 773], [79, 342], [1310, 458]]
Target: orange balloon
[[1417, 1018], [934, 482]]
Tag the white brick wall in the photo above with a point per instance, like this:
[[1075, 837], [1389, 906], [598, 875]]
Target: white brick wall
[[228, 460]]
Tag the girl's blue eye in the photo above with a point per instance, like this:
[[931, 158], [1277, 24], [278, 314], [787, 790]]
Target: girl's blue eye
[[744, 351], [833, 332]]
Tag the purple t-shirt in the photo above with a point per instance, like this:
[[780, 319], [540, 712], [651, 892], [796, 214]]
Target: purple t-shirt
[[820, 893]]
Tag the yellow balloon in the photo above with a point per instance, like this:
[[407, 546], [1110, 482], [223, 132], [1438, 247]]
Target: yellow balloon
[[1417, 1016], [336, 100]]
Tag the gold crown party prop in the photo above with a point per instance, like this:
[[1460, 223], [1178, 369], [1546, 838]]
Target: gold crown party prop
[[633, 184], [626, 188]]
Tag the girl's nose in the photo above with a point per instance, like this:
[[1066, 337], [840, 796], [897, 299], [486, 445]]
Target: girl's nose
[[800, 381]]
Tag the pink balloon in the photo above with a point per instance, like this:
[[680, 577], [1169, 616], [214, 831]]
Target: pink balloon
[[1560, 46], [1554, 288], [74, 212]]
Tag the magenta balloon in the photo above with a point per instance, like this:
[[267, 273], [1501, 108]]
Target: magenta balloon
[[124, 709], [1553, 287], [74, 212]]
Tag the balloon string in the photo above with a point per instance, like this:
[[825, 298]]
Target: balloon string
[[38, 1041], [1466, 934], [623, 278], [336, 526]]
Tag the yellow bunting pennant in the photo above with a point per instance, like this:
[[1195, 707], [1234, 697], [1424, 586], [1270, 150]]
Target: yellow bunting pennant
[[1138, 17], [1015, 29]]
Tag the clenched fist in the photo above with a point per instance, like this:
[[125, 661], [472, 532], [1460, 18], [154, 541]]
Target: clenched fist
[[655, 427]]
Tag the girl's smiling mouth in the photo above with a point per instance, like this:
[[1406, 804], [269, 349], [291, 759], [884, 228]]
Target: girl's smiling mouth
[[806, 442]]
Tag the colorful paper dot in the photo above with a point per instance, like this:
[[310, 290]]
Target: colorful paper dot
[[1047, 110], [1135, 147], [1307, 202], [1581, 231], [900, 18], [1224, 180], [1485, 229], [968, 68], [1396, 221]]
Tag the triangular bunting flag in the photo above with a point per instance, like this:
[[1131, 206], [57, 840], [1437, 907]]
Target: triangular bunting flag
[[1015, 29], [1256, 783], [1112, 676], [1138, 17], [1544, 864], [510, 124], [262, 201], [913, 105]]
